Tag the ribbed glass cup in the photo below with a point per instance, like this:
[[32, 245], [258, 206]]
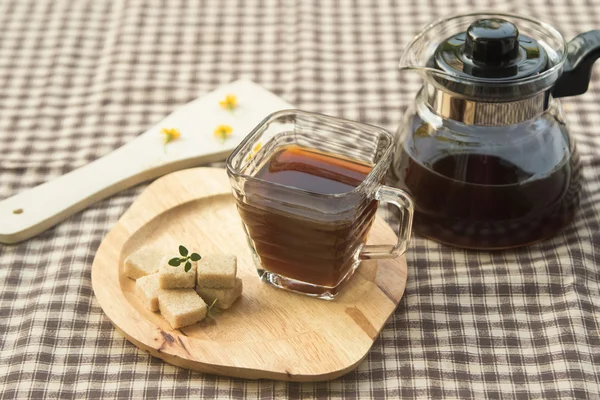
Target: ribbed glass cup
[[310, 242]]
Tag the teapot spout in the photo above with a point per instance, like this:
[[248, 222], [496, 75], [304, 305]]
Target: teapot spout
[[418, 53]]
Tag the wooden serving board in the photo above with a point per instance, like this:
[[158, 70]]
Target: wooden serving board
[[268, 333]]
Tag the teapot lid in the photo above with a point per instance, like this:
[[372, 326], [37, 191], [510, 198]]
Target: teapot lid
[[491, 48]]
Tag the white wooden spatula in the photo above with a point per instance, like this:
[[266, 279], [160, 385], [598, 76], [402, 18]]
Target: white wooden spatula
[[35, 210]]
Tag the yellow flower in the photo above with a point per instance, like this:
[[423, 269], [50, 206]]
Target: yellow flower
[[223, 132], [170, 135], [229, 103]]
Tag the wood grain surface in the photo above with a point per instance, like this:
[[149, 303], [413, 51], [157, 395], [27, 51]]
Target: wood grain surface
[[268, 333]]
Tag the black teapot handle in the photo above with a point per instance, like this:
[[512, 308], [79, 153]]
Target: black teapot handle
[[582, 51]]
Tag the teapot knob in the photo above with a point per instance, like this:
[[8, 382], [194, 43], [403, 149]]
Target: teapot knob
[[492, 42]]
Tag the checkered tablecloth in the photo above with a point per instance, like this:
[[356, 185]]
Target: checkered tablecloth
[[79, 78]]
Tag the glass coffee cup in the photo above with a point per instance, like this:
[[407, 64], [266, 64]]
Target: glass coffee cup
[[307, 187]]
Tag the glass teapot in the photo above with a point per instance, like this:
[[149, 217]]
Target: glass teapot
[[484, 150]]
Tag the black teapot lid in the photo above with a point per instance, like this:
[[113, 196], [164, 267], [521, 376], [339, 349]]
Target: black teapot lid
[[491, 49]]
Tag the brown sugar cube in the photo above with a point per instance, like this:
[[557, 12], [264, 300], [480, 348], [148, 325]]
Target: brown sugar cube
[[225, 296], [148, 289], [142, 262], [181, 307], [170, 277], [217, 271]]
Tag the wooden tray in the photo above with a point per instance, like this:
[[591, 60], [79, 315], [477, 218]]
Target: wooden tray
[[268, 333]]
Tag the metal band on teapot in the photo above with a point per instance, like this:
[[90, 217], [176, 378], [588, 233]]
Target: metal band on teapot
[[471, 112]]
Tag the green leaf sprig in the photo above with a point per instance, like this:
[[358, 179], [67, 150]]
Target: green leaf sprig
[[185, 258]]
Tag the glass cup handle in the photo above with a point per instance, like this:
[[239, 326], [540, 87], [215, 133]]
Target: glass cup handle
[[400, 199]]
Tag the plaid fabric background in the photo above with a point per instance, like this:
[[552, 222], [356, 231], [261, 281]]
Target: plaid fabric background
[[80, 78]]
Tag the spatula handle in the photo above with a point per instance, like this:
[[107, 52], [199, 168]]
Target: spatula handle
[[32, 211]]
